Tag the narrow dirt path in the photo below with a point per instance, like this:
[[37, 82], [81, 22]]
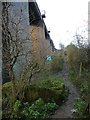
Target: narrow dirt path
[[66, 110]]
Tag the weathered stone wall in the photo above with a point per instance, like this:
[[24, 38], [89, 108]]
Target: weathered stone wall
[[48, 46], [40, 45], [19, 13], [0, 60], [35, 44], [0, 43], [89, 21], [41, 41], [18, 26]]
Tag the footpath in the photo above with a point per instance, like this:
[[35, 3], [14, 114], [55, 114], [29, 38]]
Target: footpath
[[66, 110]]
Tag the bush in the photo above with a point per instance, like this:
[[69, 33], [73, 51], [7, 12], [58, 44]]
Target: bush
[[52, 89], [56, 85], [80, 106], [84, 88], [82, 84], [38, 110], [72, 75], [57, 64]]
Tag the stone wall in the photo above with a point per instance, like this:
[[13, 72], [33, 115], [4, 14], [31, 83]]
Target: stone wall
[[0, 43], [41, 46], [38, 46], [20, 11], [18, 26], [89, 22], [34, 37]]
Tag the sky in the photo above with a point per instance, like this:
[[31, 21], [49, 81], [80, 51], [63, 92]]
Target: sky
[[64, 18]]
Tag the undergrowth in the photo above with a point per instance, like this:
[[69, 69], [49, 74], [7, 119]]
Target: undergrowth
[[38, 110], [50, 89], [82, 83]]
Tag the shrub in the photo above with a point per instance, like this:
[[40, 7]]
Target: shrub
[[51, 89], [38, 110], [57, 64], [84, 88], [56, 85], [80, 106], [71, 75], [50, 107], [51, 81]]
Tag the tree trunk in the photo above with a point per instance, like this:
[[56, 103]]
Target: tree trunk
[[12, 78]]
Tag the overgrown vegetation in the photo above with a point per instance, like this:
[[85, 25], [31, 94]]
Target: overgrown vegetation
[[78, 61], [53, 83], [81, 108], [82, 84], [38, 110], [50, 89], [57, 63], [35, 82], [51, 67]]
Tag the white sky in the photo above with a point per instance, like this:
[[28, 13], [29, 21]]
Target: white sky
[[64, 17]]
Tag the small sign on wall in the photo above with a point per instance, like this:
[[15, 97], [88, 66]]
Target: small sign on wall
[[49, 58]]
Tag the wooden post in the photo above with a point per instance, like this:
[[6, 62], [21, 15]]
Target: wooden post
[[80, 72]]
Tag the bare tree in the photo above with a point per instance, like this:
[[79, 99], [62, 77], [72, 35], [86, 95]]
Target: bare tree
[[81, 42], [17, 45], [61, 46], [11, 39]]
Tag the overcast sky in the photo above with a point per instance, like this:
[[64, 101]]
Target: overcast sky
[[64, 18]]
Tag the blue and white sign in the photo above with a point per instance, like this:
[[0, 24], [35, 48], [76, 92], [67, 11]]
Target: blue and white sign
[[49, 58]]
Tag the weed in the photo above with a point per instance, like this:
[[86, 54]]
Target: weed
[[80, 106]]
